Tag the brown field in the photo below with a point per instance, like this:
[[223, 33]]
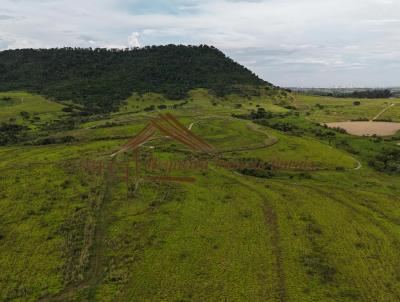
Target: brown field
[[367, 128]]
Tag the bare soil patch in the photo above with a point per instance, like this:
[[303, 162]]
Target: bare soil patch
[[367, 128]]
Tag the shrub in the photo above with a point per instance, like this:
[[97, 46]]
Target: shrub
[[67, 109], [150, 108], [24, 114], [260, 114], [388, 161], [11, 133], [54, 140]]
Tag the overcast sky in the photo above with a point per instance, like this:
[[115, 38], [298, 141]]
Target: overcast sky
[[309, 43]]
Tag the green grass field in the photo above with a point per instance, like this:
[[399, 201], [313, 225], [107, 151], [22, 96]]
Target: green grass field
[[72, 233], [328, 109]]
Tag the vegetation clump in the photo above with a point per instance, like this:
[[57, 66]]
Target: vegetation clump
[[387, 161], [11, 133]]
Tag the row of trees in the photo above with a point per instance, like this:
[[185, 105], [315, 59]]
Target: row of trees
[[368, 94]]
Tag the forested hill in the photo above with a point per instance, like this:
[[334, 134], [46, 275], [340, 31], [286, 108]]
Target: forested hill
[[102, 78]]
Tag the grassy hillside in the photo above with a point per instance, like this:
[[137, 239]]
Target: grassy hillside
[[319, 224], [39, 108], [101, 78]]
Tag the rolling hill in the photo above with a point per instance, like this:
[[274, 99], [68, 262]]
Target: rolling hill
[[297, 212], [102, 78]]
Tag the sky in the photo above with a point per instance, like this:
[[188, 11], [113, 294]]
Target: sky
[[302, 43]]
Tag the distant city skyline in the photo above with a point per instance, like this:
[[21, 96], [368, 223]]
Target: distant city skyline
[[290, 43]]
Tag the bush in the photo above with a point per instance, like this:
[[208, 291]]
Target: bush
[[257, 173], [54, 140], [24, 114], [67, 109], [281, 126], [261, 113], [150, 108], [11, 133], [388, 161]]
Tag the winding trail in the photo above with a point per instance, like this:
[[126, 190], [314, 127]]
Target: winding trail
[[359, 165], [270, 141]]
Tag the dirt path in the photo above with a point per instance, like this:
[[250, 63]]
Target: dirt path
[[271, 221], [191, 125], [382, 112], [96, 264], [94, 245], [266, 143], [272, 225], [359, 165]]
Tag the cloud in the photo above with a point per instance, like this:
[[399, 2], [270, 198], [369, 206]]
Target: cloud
[[6, 17], [288, 42], [133, 40], [88, 39]]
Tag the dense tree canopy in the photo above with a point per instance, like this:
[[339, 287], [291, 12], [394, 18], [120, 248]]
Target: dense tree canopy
[[101, 78], [369, 94]]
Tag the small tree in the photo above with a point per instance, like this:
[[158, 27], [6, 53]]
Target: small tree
[[24, 114]]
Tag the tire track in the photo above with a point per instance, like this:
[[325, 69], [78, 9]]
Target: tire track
[[94, 244], [271, 223], [358, 211], [367, 215], [94, 273], [394, 240]]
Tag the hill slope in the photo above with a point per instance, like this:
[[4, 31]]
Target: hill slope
[[103, 78], [314, 228]]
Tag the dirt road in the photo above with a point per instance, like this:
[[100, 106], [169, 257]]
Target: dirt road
[[382, 112]]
